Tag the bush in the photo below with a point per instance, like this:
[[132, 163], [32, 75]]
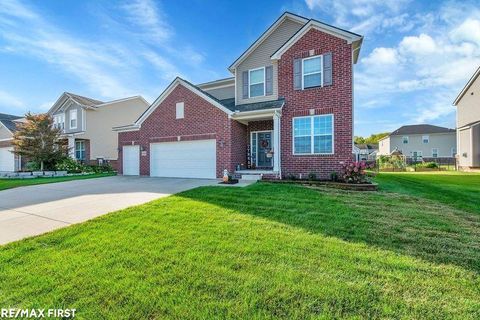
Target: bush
[[32, 166], [395, 162], [430, 165], [104, 168], [312, 176], [70, 165], [355, 172], [334, 176]]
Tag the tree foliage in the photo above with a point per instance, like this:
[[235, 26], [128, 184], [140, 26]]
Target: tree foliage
[[38, 140], [374, 138]]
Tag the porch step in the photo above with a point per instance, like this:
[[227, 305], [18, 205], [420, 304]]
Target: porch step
[[250, 177]]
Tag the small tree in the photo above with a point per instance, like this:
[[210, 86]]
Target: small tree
[[38, 140]]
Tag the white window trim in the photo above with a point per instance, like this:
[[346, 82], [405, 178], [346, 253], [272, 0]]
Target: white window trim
[[74, 111], [403, 140], [425, 138], [321, 71], [256, 147], [180, 105], [435, 152], [250, 83], [312, 135]]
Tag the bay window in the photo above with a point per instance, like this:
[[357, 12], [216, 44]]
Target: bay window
[[313, 135]]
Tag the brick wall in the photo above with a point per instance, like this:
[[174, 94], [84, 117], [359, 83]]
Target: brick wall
[[202, 121], [335, 99]]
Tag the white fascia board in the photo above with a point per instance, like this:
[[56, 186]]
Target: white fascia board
[[6, 128], [126, 128], [264, 36], [467, 86], [256, 113], [350, 38], [170, 88]]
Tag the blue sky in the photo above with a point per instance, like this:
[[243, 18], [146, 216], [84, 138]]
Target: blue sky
[[416, 57]]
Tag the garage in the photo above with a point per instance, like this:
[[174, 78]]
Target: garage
[[7, 159], [184, 159], [131, 160]]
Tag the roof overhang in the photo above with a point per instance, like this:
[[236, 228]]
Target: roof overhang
[[1, 123], [467, 86], [265, 35], [217, 84], [256, 115], [351, 38], [130, 127], [468, 126]]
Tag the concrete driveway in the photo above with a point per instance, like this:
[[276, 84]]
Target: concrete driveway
[[33, 210]]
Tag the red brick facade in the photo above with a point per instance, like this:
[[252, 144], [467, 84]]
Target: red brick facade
[[202, 120], [335, 99]]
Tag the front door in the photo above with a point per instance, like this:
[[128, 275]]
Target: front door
[[264, 140]]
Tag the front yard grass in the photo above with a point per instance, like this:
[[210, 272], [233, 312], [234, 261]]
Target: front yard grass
[[14, 183], [264, 251]]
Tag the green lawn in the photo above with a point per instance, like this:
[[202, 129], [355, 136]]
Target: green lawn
[[265, 251], [14, 183]]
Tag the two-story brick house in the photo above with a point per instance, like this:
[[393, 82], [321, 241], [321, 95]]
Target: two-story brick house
[[288, 109]]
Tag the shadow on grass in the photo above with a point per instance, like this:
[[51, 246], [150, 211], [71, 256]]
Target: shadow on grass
[[400, 223]]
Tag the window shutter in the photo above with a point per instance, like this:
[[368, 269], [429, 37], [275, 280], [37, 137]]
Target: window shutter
[[268, 80], [327, 69], [245, 84], [297, 74]]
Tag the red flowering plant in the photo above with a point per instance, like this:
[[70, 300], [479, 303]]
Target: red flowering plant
[[356, 172]]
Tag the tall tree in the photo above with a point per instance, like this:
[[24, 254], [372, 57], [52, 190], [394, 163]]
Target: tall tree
[[374, 138], [38, 140]]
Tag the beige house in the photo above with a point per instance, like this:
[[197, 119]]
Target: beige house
[[87, 124], [422, 142], [9, 162], [468, 124]]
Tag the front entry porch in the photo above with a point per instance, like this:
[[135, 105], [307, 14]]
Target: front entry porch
[[263, 142]]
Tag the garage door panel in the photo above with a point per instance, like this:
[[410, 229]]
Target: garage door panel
[[184, 159], [7, 159]]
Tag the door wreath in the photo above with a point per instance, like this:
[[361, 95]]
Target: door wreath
[[264, 143]]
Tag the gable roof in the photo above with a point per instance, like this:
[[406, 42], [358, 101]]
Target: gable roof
[[84, 101], [421, 129], [349, 36], [367, 146], [177, 81], [7, 120], [467, 86], [265, 34]]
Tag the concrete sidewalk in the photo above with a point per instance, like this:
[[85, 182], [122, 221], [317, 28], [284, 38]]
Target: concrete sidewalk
[[33, 210]]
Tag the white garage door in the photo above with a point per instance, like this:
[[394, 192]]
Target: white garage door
[[184, 159], [7, 159], [131, 160]]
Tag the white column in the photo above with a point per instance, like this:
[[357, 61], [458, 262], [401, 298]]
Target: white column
[[276, 142], [71, 147]]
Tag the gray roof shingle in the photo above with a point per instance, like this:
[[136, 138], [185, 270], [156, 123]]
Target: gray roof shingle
[[420, 129], [85, 101], [265, 105], [7, 121]]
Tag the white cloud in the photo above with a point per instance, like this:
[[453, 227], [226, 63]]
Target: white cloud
[[381, 56], [421, 45], [469, 30], [10, 101]]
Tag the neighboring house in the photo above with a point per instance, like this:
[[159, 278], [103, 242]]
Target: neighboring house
[[286, 110], [421, 142], [8, 161], [365, 151], [87, 124], [468, 124]]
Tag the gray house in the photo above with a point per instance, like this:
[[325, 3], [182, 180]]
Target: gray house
[[468, 124], [421, 141]]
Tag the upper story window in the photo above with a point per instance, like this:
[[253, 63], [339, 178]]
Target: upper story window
[[312, 72], [73, 119], [405, 139], [180, 110], [59, 121], [256, 82], [425, 139], [313, 134]]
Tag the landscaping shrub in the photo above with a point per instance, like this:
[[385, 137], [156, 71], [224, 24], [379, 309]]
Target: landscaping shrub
[[104, 168], [312, 176], [334, 176], [32, 166], [430, 165], [356, 172], [70, 165], [395, 162]]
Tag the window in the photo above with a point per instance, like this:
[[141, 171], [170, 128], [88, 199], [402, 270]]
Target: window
[[417, 155], [425, 139], [73, 119], [256, 82], [453, 151], [312, 72], [435, 153], [59, 121], [80, 150], [180, 110], [313, 135], [405, 140]]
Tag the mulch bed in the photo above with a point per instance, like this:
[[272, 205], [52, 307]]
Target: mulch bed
[[330, 184]]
